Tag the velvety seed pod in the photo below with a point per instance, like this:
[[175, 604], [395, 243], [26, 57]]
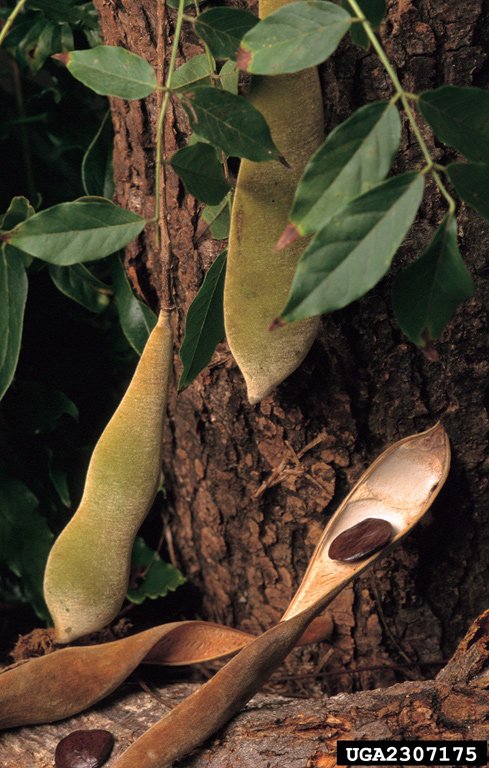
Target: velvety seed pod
[[258, 276], [87, 571]]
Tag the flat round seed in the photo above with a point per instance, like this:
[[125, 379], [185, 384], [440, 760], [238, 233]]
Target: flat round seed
[[361, 540], [84, 749]]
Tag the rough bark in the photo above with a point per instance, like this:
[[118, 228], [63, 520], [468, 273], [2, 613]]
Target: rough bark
[[273, 731], [250, 486]]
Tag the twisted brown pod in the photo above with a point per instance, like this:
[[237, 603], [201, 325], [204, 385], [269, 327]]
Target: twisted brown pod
[[69, 680], [399, 487], [258, 277]]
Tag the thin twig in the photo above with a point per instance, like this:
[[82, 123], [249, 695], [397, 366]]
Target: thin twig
[[10, 20], [405, 98]]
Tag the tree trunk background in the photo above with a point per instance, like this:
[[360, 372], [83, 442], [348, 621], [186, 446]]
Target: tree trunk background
[[245, 542]]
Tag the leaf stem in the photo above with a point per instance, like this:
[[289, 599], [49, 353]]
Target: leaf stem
[[405, 97], [10, 20], [162, 115]]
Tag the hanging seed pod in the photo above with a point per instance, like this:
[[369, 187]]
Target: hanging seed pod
[[377, 496], [87, 571], [258, 277], [67, 681]]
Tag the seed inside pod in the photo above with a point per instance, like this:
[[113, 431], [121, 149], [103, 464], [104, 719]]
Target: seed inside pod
[[84, 749], [361, 540]]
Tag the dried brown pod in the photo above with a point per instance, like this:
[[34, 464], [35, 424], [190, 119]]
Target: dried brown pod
[[84, 749], [67, 681], [399, 487]]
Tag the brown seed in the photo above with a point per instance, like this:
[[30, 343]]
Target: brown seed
[[84, 749], [361, 540]]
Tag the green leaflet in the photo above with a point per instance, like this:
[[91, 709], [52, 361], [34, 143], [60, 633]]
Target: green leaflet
[[97, 169], [200, 170], [13, 295], [204, 326], [223, 28], [217, 217], [112, 71], [70, 233], [25, 539], [355, 156], [78, 283], [231, 123], [136, 318], [355, 249], [19, 210], [472, 184], [159, 577], [194, 72], [459, 117], [294, 37], [229, 77], [427, 293]]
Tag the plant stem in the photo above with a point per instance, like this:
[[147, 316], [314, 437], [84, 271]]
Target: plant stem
[[405, 98], [161, 119], [10, 20]]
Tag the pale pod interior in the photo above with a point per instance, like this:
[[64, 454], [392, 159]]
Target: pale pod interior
[[399, 487]]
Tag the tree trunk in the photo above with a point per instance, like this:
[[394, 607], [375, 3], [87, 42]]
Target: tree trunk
[[278, 732], [250, 487]]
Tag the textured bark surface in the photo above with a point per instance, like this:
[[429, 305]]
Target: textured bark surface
[[276, 732], [250, 487]]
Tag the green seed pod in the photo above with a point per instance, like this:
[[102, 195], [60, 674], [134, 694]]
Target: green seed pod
[[258, 277], [88, 567]]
